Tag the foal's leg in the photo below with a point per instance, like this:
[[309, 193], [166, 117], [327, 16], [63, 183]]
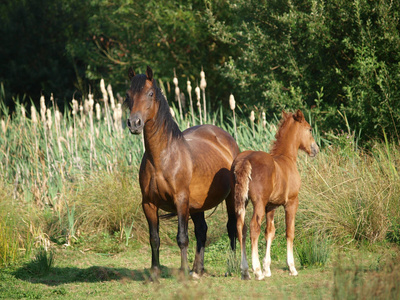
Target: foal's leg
[[269, 236], [182, 207], [290, 213], [200, 230], [151, 213], [242, 232], [255, 229]]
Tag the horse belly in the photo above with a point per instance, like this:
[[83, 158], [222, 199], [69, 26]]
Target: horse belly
[[207, 192], [287, 185], [278, 197]]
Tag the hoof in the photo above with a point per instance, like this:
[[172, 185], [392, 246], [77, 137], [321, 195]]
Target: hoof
[[184, 273], [195, 276], [259, 276], [267, 273], [246, 276], [293, 273], [154, 275]]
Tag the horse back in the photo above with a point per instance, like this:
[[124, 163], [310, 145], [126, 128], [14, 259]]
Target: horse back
[[210, 135]]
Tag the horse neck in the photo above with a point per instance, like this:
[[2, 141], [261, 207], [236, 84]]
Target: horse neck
[[160, 135], [287, 145]]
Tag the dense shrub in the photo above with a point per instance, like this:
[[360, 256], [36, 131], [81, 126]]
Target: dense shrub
[[324, 56], [320, 55]]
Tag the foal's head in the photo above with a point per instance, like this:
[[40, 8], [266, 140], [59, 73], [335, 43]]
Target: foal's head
[[140, 98], [304, 134], [295, 129]]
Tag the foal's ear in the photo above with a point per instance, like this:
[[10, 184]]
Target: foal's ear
[[285, 114], [149, 73], [131, 73], [298, 116]]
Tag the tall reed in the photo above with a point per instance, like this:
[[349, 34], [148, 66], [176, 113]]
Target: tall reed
[[54, 163]]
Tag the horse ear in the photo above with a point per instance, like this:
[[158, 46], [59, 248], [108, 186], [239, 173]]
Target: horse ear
[[298, 116], [131, 73], [284, 114], [149, 73]]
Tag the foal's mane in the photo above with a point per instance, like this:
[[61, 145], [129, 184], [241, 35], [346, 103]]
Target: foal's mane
[[163, 116], [283, 124]]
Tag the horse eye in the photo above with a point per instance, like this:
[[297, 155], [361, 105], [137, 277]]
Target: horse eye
[[311, 130], [126, 99], [151, 94]]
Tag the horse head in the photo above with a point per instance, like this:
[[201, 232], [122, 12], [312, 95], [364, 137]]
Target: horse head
[[140, 98], [304, 134]]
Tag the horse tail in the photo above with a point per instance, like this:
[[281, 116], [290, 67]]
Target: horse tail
[[242, 177]]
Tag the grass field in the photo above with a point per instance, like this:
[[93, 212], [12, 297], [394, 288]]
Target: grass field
[[107, 273], [124, 276], [71, 224]]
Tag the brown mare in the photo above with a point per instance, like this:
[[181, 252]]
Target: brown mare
[[271, 180], [185, 172]]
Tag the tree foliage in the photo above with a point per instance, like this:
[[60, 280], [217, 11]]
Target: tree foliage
[[338, 59], [33, 39], [167, 35], [326, 56]]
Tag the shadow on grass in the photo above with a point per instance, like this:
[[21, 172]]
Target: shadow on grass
[[57, 276]]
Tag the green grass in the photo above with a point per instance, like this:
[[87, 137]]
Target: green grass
[[77, 274], [41, 264], [313, 251]]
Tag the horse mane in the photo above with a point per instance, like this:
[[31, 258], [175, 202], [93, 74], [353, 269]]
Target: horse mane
[[283, 124], [163, 116]]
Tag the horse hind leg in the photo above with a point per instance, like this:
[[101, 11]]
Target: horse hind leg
[[242, 232], [242, 171], [255, 229], [200, 230], [269, 236]]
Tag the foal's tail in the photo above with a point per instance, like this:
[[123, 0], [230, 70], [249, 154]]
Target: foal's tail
[[242, 171]]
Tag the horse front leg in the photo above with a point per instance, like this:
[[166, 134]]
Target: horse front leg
[[200, 230], [182, 207], [290, 213], [151, 213]]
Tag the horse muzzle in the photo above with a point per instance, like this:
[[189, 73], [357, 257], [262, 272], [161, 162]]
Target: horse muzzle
[[314, 150], [135, 124]]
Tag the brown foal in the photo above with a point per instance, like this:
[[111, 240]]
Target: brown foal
[[271, 180]]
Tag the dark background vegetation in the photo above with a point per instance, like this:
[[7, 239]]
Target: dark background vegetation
[[338, 59]]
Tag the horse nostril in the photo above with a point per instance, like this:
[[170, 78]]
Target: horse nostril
[[314, 149], [138, 122], [128, 122]]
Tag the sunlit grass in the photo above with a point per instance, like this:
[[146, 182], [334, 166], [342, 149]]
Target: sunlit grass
[[349, 196]]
